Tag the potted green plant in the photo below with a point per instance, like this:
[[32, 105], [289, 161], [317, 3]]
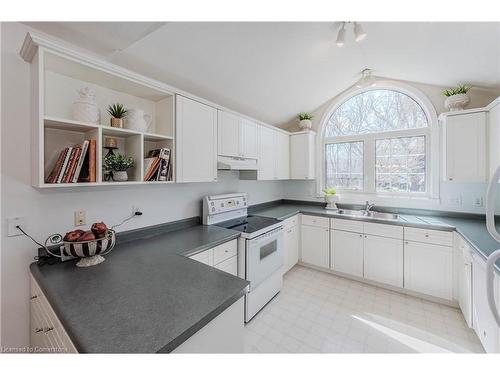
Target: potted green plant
[[305, 122], [331, 198], [118, 112], [117, 165], [457, 98]]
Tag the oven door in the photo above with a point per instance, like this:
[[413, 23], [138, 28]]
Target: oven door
[[264, 256]]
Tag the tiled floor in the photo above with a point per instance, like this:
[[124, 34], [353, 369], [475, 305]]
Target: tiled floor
[[317, 312]]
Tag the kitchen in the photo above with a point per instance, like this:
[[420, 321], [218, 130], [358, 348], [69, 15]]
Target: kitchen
[[333, 232]]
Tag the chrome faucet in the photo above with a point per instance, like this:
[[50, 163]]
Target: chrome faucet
[[368, 206]]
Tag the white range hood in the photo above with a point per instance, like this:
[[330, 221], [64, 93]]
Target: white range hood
[[237, 164]]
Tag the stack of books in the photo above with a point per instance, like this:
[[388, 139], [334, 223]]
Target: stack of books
[[75, 164], [157, 165]]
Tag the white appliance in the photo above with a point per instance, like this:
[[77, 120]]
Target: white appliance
[[491, 195], [236, 163], [260, 246]]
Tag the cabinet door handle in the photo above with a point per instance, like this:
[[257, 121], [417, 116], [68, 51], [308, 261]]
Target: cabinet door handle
[[406, 242], [360, 236], [47, 330], [38, 330], [426, 236], [33, 297]]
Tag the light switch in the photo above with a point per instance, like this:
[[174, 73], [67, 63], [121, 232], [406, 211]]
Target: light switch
[[80, 218]]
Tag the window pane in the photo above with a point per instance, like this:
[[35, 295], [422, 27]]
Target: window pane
[[344, 165], [400, 164], [376, 111]]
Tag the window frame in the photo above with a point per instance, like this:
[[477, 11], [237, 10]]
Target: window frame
[[430, 133]]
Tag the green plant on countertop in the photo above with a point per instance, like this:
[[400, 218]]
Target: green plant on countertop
[[461, 89], [330, 191], [117, 163], [117, 110], [305, 116]]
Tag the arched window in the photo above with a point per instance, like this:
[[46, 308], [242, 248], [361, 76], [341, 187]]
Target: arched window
[[378, 141]]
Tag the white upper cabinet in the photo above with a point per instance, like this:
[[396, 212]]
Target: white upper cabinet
[[237, 136], [267, 155], [249, 139], [196, 129], [494, 137], [464, 137], [228, 134], [282, 145], [302, 149]]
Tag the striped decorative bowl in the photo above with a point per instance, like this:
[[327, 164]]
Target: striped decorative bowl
[[91, 251]]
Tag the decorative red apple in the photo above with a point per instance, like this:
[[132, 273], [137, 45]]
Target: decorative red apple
[[73, 236], [87, 236], [99, 229]]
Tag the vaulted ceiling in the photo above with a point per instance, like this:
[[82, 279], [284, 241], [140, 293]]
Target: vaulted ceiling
[[274, 70]]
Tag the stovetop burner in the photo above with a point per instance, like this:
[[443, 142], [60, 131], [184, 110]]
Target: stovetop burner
[[249, 224]]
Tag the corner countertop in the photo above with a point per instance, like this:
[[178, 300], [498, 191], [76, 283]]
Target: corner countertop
[[147, 296], [472, 229]]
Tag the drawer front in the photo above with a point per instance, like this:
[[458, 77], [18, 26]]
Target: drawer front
[[291, 222], [203, 257], [436, 237], [225, 251], [315, 221], [384, 230], [348, 225], [229, 265]]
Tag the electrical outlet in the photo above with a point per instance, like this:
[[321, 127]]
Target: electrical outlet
[[477, 202], [80, 218], [12, 223]]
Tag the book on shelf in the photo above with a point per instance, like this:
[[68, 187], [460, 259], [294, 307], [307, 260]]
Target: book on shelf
[[157, 165], [74, 164]]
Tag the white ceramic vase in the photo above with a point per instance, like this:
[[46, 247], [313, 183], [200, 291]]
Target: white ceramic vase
[[305, 124], [331, 201], [137, 120], [456, 102], [85, 107], [120, 176]]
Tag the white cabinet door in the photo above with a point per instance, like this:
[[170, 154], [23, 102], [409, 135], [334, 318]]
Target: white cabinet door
[[302, 148], [315, 246], [249, 140], [267, 157], [228, 134], [494, 138], [383, 260], [196, 143], [483, 321], [465, 145], [428, 269], [347, 252], [291, 245], [282, 145], [464, 275]]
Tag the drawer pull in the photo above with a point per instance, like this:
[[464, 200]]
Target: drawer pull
[[426, 235], [47, 330], [33, 297], [360, 236], [38, 330]]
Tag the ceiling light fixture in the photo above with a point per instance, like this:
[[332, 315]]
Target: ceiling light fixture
[[366, 80], [341, 35], [359, 33]]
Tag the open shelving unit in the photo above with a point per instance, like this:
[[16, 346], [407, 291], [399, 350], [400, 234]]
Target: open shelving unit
[[56, 77]]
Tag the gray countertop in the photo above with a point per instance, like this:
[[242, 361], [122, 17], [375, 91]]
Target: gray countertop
[[146, 297], [472, 229]]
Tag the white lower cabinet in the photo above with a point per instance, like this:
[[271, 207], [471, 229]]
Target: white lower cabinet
[[383, 260], [291, 246], [484, 323], [347, 252], [315, 245], [223, 257], [464, 275], [428, 269]]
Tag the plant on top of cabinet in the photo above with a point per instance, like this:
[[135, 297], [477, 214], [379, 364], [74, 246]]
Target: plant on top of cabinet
[[457, 98], [331, 198], [305, 122], [117, 165], [118, 113]]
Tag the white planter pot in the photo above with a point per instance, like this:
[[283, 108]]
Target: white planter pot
[[137, 120], [331, 201], [120, 176], [456, 102], [305, 124]]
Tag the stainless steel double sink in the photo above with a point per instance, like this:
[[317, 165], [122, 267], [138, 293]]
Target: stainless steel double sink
[[364, 213]]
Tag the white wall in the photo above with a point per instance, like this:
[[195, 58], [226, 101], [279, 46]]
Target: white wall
[[51, 210]]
